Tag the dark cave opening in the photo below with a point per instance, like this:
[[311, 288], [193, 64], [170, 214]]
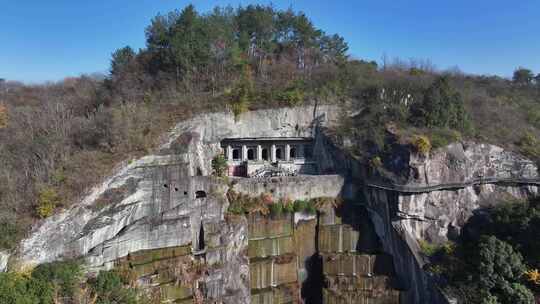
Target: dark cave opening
[[201, 244]]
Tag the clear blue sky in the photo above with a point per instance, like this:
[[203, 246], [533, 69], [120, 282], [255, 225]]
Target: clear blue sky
[[49, 40]]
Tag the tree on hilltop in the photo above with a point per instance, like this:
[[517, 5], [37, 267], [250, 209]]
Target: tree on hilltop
[[523, 76]]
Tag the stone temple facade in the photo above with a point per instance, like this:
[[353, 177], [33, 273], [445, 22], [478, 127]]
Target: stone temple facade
[[269, 156]]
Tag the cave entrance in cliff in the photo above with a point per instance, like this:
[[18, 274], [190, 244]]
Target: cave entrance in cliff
[[201, 245], [265, 154], [200, 194]]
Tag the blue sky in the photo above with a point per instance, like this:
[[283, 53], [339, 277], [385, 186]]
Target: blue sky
[[49, 40]]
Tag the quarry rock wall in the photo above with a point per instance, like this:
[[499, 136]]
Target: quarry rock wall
[[302, 187], [441, 192], [167, 204]]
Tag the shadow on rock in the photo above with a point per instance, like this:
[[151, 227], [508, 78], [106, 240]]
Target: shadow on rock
[[312, 287]]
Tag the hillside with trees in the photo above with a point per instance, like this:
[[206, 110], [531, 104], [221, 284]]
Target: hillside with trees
[[59, 139]]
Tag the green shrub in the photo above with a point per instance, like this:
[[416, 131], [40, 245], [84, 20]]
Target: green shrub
[[47, 201], [530, 145], [490, 299], [108, 288], [15, 288], [64, 275], [219, 165], [427, 248], [107, 282], [421, 144], [448, 248], [9, 234], [442, 106], [237, 208], [300, 205], [443, 137], [45, 285], [310, 209], [305, 206], [375, 162], [292, 96], [240, 97], [276, 208], [59, 176], [288, 205], [533, 116]]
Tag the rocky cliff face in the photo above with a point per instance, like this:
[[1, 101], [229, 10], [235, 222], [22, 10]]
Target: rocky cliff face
[[169, 200], [466, 163], [430, 197], [162, 185], [445, 188], [167, 204]]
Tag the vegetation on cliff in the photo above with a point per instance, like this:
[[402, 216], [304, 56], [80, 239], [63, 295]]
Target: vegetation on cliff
[[265, 204], [62, 282], [497, 257]]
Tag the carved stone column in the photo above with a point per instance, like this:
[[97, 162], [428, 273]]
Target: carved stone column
[[244, 152], [273, 153], [287, 152], [259, 153], [229, 153]]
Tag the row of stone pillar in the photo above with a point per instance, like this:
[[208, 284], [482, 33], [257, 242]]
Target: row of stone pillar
[[258, 155]]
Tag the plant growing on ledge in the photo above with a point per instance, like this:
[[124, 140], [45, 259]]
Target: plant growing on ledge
[[421, 144], [219, 165], [324, 203]]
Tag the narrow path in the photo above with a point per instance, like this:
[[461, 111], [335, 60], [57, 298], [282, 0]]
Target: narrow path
[[453, 186]]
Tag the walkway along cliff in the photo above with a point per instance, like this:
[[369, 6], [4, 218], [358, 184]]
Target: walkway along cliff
[[185, 236]]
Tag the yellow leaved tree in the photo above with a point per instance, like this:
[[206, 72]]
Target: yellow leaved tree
[[533, 276]]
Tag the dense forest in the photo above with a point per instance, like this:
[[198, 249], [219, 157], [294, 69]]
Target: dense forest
[[59, 139]]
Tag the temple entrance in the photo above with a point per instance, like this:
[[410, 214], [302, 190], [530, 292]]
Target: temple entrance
[[253, 156], [236, 154], [250, 154], [292, 153], [279, 154]]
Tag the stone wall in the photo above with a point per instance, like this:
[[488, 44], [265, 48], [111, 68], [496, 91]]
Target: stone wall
[[302, 187]]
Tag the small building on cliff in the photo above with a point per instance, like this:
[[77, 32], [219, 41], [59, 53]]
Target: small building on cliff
[[269, 156]]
